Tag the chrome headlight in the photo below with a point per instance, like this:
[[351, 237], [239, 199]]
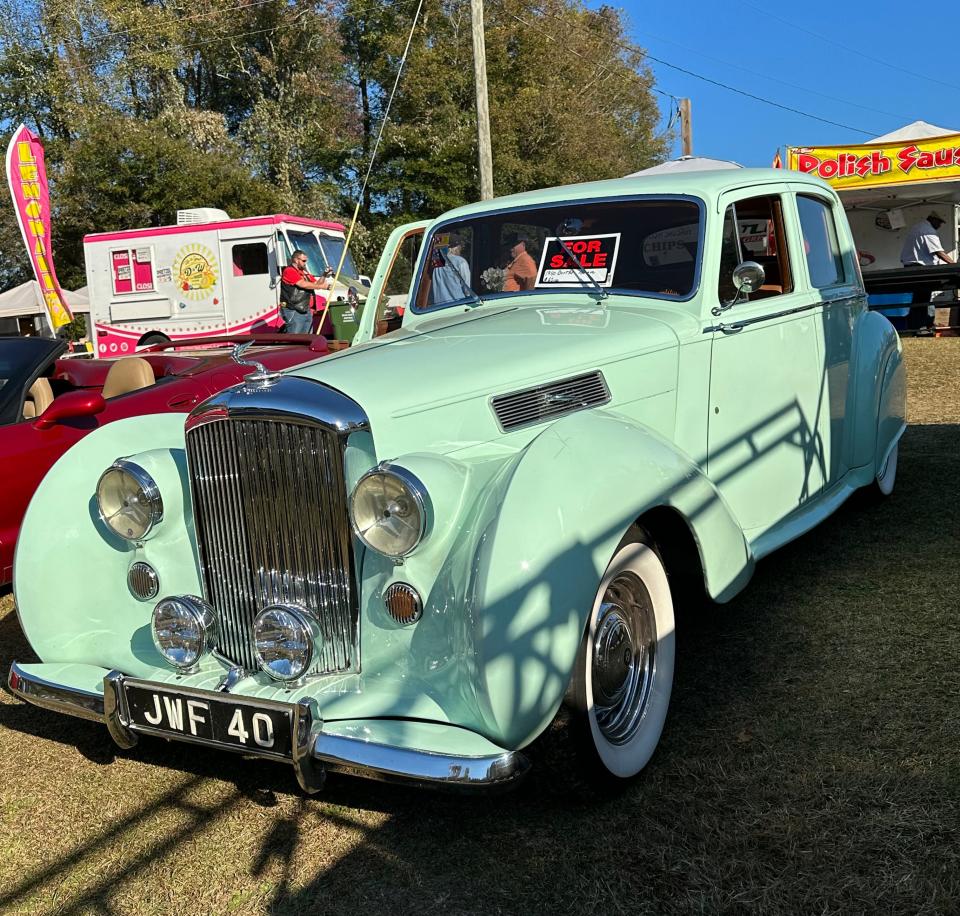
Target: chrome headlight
[[184, 629], [129, 500], [388, 511], [284, 638]]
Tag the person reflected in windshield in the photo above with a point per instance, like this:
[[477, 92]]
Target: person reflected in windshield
[[451, 279], [522, 269]]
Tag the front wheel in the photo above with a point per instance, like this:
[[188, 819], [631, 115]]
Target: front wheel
[[620, 689]]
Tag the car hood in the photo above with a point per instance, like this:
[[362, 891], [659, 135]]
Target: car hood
[[446, 363]]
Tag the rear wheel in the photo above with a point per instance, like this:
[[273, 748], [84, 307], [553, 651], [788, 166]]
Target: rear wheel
[[621, 685]]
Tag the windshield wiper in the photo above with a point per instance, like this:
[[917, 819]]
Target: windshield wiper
[[599, 292]]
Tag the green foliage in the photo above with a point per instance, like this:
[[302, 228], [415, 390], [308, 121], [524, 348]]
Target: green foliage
[[74, 330], [146, 108]]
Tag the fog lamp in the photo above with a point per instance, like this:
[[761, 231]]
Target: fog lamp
[[184, 629], [388, 511], [284, 639], [129, 500]]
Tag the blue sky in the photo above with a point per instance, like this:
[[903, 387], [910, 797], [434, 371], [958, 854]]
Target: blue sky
[[871, 67]]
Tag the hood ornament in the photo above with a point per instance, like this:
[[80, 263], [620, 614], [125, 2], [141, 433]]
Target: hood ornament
[[262, 377]]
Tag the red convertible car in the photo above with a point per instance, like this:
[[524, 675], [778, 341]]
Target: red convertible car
[[48, 403]]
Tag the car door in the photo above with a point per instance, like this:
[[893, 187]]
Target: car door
[[766, 386], [833, 276], [391, 282]]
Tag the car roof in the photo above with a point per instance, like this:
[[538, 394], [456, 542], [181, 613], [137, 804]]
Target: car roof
[[707, 184]]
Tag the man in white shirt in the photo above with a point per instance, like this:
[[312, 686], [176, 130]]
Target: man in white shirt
[[451, 279], [922, 246]]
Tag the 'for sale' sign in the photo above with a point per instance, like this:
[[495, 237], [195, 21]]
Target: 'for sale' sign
[[596, 255]]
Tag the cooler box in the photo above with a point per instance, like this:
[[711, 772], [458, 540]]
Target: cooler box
[[898, 316]]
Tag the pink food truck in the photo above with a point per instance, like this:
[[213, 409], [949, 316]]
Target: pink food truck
[[206, 276]]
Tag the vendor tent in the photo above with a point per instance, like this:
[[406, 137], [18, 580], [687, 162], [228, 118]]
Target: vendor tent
[[688, 164], [25, 299], [918, 130]]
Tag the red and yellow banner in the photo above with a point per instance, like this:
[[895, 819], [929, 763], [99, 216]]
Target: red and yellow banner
[[878, 164], [27, 177]]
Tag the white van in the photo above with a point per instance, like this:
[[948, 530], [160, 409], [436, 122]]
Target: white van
[[206, 276]]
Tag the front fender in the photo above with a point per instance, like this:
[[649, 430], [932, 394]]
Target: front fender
[[70, 571], [569, 501]]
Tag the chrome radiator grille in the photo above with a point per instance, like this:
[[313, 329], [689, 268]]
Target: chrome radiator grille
[[271, 519]]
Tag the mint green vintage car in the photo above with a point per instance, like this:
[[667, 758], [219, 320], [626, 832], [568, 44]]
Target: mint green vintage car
[[603, 402]]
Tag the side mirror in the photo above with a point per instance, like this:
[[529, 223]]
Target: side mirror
[[71, 404], [748, 277]]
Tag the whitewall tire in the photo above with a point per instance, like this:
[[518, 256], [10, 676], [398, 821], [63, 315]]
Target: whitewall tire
[[620, 689]]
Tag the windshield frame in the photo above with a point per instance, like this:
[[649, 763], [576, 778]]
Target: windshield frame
[[494, 297], [38, 354]]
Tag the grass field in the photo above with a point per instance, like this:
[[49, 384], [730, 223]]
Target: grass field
[[811, 763]]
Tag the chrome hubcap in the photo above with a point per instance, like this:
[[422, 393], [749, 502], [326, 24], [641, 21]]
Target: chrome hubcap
[[624, 658]]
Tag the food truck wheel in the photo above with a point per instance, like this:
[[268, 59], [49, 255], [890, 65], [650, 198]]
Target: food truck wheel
[[149, 340]]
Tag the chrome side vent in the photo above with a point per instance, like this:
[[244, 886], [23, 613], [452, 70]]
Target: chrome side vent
[[547, 402]]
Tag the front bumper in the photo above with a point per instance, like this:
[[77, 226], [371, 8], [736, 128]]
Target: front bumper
[[314, 750]]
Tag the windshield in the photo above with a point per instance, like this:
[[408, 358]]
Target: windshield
[[642, 247], [21, 358], [319, 257], [333, 249]]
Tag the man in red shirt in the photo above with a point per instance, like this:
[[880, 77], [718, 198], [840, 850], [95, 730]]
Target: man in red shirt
[[297, 294]]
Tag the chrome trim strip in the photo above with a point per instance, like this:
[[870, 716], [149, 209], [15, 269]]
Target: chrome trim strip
[[36, 690], [292, 398], [385, 762], [740, 325]]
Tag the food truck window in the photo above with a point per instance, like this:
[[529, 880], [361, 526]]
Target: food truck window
[[131, 270], [333, 251], [250, 258], [820, 244], [753, 231]]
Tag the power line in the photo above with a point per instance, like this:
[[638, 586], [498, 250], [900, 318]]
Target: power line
[[772, 79], [844, 47], [634, 49], [758, 98]]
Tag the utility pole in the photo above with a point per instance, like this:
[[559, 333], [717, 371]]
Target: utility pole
[[483, 110], [686, 127]]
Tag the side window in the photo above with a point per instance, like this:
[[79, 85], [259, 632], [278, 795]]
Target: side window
[[250, 258], [753, 231], [396, 285], [401, 271], [132, 270], [820, 243]]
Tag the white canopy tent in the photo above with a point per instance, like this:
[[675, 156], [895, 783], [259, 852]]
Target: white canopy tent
[[688, 164], [25, 300]]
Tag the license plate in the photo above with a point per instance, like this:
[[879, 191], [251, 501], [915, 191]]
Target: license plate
[[243, 725]]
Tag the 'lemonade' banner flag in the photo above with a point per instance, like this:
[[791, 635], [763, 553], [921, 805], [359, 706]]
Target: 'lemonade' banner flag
[[880, 164], [27, 177]]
